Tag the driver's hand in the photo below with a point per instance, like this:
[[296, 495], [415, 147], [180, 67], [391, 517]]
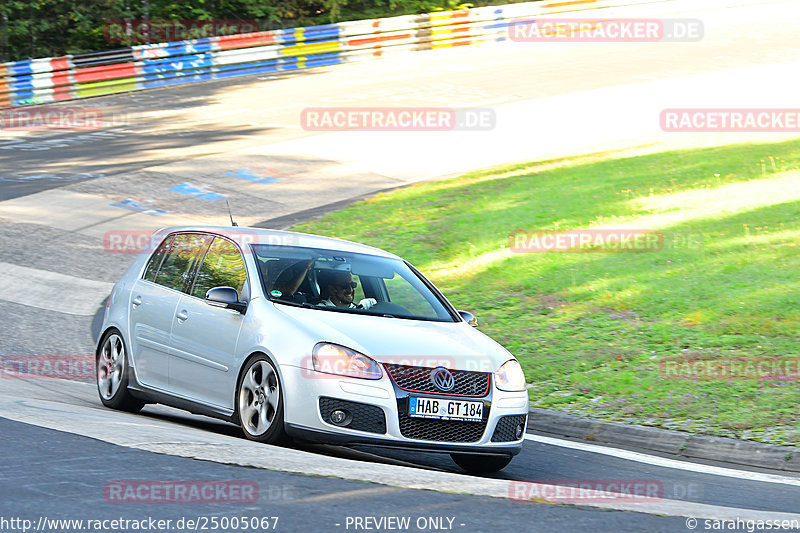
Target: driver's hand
[[366, 303]]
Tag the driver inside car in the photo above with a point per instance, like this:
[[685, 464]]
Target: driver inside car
[[340, 289]]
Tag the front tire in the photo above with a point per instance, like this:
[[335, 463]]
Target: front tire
[[259, 402], [112, 374], [481, 464]]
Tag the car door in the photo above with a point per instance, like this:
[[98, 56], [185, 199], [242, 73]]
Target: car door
[[204, 337], [154, 301]]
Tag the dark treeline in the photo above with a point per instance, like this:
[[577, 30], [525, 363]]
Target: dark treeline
[[48, 28]]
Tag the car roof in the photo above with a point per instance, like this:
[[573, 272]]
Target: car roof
[[246, 235]]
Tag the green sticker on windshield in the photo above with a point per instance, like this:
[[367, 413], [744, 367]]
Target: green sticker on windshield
[[275, 294]]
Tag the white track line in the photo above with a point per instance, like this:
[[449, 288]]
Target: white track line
[[50, 290], [665, 462]]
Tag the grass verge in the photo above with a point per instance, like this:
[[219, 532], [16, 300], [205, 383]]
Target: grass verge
[[597, 332]]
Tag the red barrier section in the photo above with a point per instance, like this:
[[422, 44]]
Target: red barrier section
[[106, 72], [59, 63], [4, 102], [232, 42], [61, 78], [569, 3], [461, 28], [378, 39]]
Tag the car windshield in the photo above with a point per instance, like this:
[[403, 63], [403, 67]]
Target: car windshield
[[333, 280]]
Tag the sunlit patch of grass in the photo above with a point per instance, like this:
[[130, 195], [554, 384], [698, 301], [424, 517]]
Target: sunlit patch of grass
[[591, 328]]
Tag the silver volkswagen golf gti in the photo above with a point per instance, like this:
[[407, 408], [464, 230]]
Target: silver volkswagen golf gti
[[296, 336]]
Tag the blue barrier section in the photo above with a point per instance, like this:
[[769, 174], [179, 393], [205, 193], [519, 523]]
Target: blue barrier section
[[180, 62], [20, 68], [243, 69], [288, 63], [22, 83], [322, 60]]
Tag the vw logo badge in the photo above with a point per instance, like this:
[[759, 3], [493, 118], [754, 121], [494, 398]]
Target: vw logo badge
[[442, 379]]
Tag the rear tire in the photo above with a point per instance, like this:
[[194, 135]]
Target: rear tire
[[259, 402], [112, 374], [481, 464]]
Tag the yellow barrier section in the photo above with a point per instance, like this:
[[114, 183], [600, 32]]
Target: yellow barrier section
[[449, 29], [302, 51], [99, 88]]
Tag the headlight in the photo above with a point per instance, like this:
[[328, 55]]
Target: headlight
[[335, 359], [510, 377]]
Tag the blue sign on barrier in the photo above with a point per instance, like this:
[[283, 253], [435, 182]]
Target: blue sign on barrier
[[172, 71], [180, 64], [253, 175], [198, 191], [198, 46]]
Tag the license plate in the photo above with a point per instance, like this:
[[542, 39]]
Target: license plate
[[445, 409]]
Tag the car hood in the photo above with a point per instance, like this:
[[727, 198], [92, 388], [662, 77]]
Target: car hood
[[454, 345]]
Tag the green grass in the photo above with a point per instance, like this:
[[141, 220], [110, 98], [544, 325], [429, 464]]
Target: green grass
[[591, 328]]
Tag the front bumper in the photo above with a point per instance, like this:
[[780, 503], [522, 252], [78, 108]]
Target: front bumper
[[304, 388]]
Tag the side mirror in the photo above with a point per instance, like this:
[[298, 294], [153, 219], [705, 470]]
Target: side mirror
[[469, 318], [226, 297]]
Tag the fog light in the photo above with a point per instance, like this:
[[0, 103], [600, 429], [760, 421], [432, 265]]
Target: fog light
[[339, 417], [520, 430]]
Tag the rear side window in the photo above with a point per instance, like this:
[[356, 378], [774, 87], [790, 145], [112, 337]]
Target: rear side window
[[155, 260], [222, 266], [184, 253]]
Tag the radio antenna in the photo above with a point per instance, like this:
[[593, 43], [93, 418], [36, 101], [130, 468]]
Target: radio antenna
[[229, 213]]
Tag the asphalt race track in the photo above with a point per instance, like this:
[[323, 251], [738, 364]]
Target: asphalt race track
[[243, 139]]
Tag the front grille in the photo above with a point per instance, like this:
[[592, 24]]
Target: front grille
[[418, 379], [364, 417], [440, 430], [506, 429]]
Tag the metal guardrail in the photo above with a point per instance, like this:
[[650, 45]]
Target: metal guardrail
[[47, 80]]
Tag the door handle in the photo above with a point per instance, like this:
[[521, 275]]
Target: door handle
[[136, 302], [183, 315]]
